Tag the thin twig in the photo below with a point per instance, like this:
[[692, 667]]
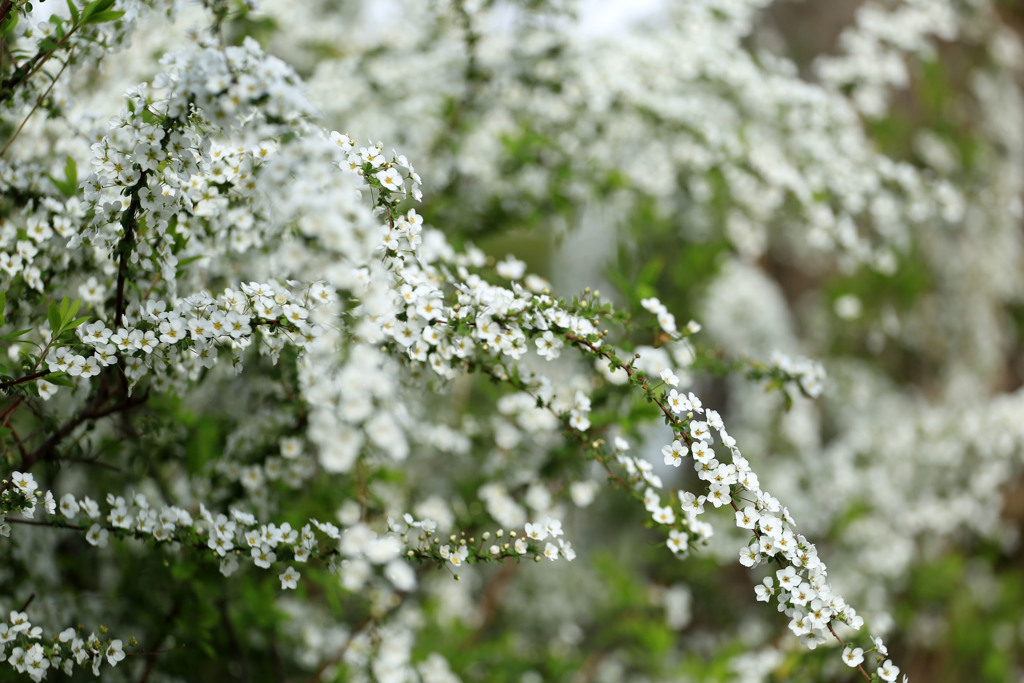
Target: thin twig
[[21, 380], [859, 667], [229, 628], [27, 602], [337, 656], [46, 449], [151, 655], [128, 222], [39, 101], [34, 522], [490, 601], [7, 412], [94, 462], [19, 442]]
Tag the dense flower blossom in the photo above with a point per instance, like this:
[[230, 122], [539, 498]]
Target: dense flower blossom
[[252, 340]]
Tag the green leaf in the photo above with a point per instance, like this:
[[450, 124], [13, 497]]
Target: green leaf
[[3, 305], [59, 378], [72, 310], [94, 7], [9, 24], [71, 171], [15, 335], [72, 324], [53, 314], [101, 17], [61, 185], [74, 11], [69, 186], [191, 259]]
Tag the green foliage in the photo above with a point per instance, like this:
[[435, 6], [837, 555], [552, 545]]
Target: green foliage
[[62, 318], [69, 186]]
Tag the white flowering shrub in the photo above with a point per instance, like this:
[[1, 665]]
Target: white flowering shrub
[[268, 413]]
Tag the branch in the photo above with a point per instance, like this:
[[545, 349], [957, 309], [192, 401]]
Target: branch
[[21, 380], [151, 655], [859, 667], [129, 222], [29, 68], [39, 101], [34, 522], [236, 646], [27, 602], [46, 449]]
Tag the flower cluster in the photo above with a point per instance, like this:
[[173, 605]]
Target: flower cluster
[[34, 655], [238, 339]]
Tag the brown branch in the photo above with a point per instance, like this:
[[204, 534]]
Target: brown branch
[[5, 10], [129, 222], [21, 380], [859, 667], [363, 625], [337, 656], [91, 412], [19, 442], [151, 655], [29, 69], [236, 646], [34, 522], [94, 462], [8, 411], [490, 601]]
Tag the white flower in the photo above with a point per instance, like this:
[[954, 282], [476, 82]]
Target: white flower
[[579, 421], [401, 575], [888, 671], [747, 517], [675, 453], [97, 536], [852, 657], [749, 556], [390, 179], [289, 578], [24, 482], [536, 531], [459, 556], [677, 403], [114, 652], [765, 590], [664, 515], [553, 526], [263, 556], [228, 565], [677, 541], [548, 345]]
